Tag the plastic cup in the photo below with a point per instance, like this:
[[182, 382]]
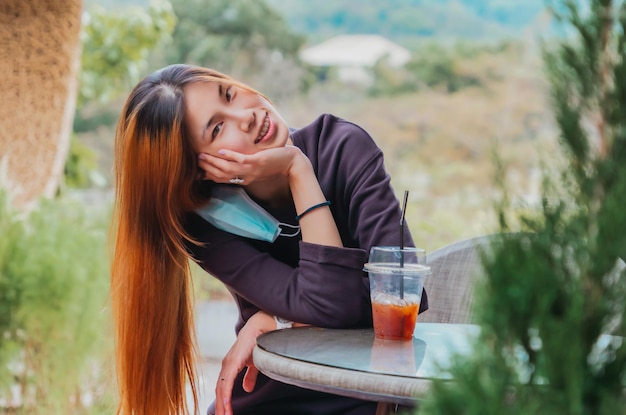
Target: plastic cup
[[396, 282]]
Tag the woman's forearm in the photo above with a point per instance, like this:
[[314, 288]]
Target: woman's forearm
[[318, 225]]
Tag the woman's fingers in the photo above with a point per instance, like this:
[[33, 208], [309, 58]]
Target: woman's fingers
[[220, 170], [232, 364], [232, 155], [249, 379], [223, 395]]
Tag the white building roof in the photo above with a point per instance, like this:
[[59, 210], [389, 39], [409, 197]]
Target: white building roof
[[355, 50]]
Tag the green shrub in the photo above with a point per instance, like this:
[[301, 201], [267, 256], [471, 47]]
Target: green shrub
[[54, 327], [552, 295], [80, 164]]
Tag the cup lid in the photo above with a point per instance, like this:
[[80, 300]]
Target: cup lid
[[394, 268]]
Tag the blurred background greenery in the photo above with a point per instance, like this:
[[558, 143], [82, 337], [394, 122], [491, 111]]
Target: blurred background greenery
[[473, 88], [474, 83]]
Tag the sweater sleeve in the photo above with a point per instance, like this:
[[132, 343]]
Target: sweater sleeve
[[323, 289]]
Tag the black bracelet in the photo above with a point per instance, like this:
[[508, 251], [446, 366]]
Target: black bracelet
[[319, 205]]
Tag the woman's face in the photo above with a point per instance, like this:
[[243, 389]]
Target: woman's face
[[222, 116]]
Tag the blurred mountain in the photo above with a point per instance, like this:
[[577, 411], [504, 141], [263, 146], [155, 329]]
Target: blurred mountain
[[115, 4], [398, 19]]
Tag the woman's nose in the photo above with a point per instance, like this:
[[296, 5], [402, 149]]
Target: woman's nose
[[245, 119]]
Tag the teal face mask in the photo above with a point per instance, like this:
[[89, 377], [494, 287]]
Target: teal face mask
[[232, 210]]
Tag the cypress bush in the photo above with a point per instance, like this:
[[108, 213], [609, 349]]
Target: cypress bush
[[551, 300]]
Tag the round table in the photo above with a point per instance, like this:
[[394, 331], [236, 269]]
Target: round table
[[354, 363]]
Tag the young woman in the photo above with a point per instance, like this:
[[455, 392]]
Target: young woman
[[207, 169]]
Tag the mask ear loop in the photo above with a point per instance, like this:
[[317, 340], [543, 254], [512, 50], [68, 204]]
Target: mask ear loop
[[287, 225]]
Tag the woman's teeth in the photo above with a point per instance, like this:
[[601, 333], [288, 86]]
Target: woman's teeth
[[264, 129]]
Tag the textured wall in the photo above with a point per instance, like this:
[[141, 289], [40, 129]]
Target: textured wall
[[39, 63]]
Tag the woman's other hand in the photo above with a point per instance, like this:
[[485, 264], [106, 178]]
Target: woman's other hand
[[238, 357]]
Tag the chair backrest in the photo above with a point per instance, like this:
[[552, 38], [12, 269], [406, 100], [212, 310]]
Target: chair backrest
[[455, 269]]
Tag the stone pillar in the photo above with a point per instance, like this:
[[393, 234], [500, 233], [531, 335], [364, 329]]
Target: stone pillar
[[39, 66]]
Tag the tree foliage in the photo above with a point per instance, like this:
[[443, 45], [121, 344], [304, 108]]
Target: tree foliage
[[234, 36], [553, 294], [116, 47]]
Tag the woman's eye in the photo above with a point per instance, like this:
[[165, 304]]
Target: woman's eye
[[217, 129], [229, 94]]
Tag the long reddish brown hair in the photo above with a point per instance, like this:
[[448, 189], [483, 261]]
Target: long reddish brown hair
[[151, 293]]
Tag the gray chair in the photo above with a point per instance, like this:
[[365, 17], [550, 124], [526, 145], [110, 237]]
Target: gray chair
[[450, 288]]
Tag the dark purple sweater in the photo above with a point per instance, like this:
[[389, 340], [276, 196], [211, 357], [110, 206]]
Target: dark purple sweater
[[319, 285]]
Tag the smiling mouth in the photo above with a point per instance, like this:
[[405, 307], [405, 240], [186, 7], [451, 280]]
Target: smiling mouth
[[265, 129]]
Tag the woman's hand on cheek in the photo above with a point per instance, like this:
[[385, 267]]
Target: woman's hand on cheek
[[263, 165]]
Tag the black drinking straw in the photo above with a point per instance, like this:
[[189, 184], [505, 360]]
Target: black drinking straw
[[406, 197]]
